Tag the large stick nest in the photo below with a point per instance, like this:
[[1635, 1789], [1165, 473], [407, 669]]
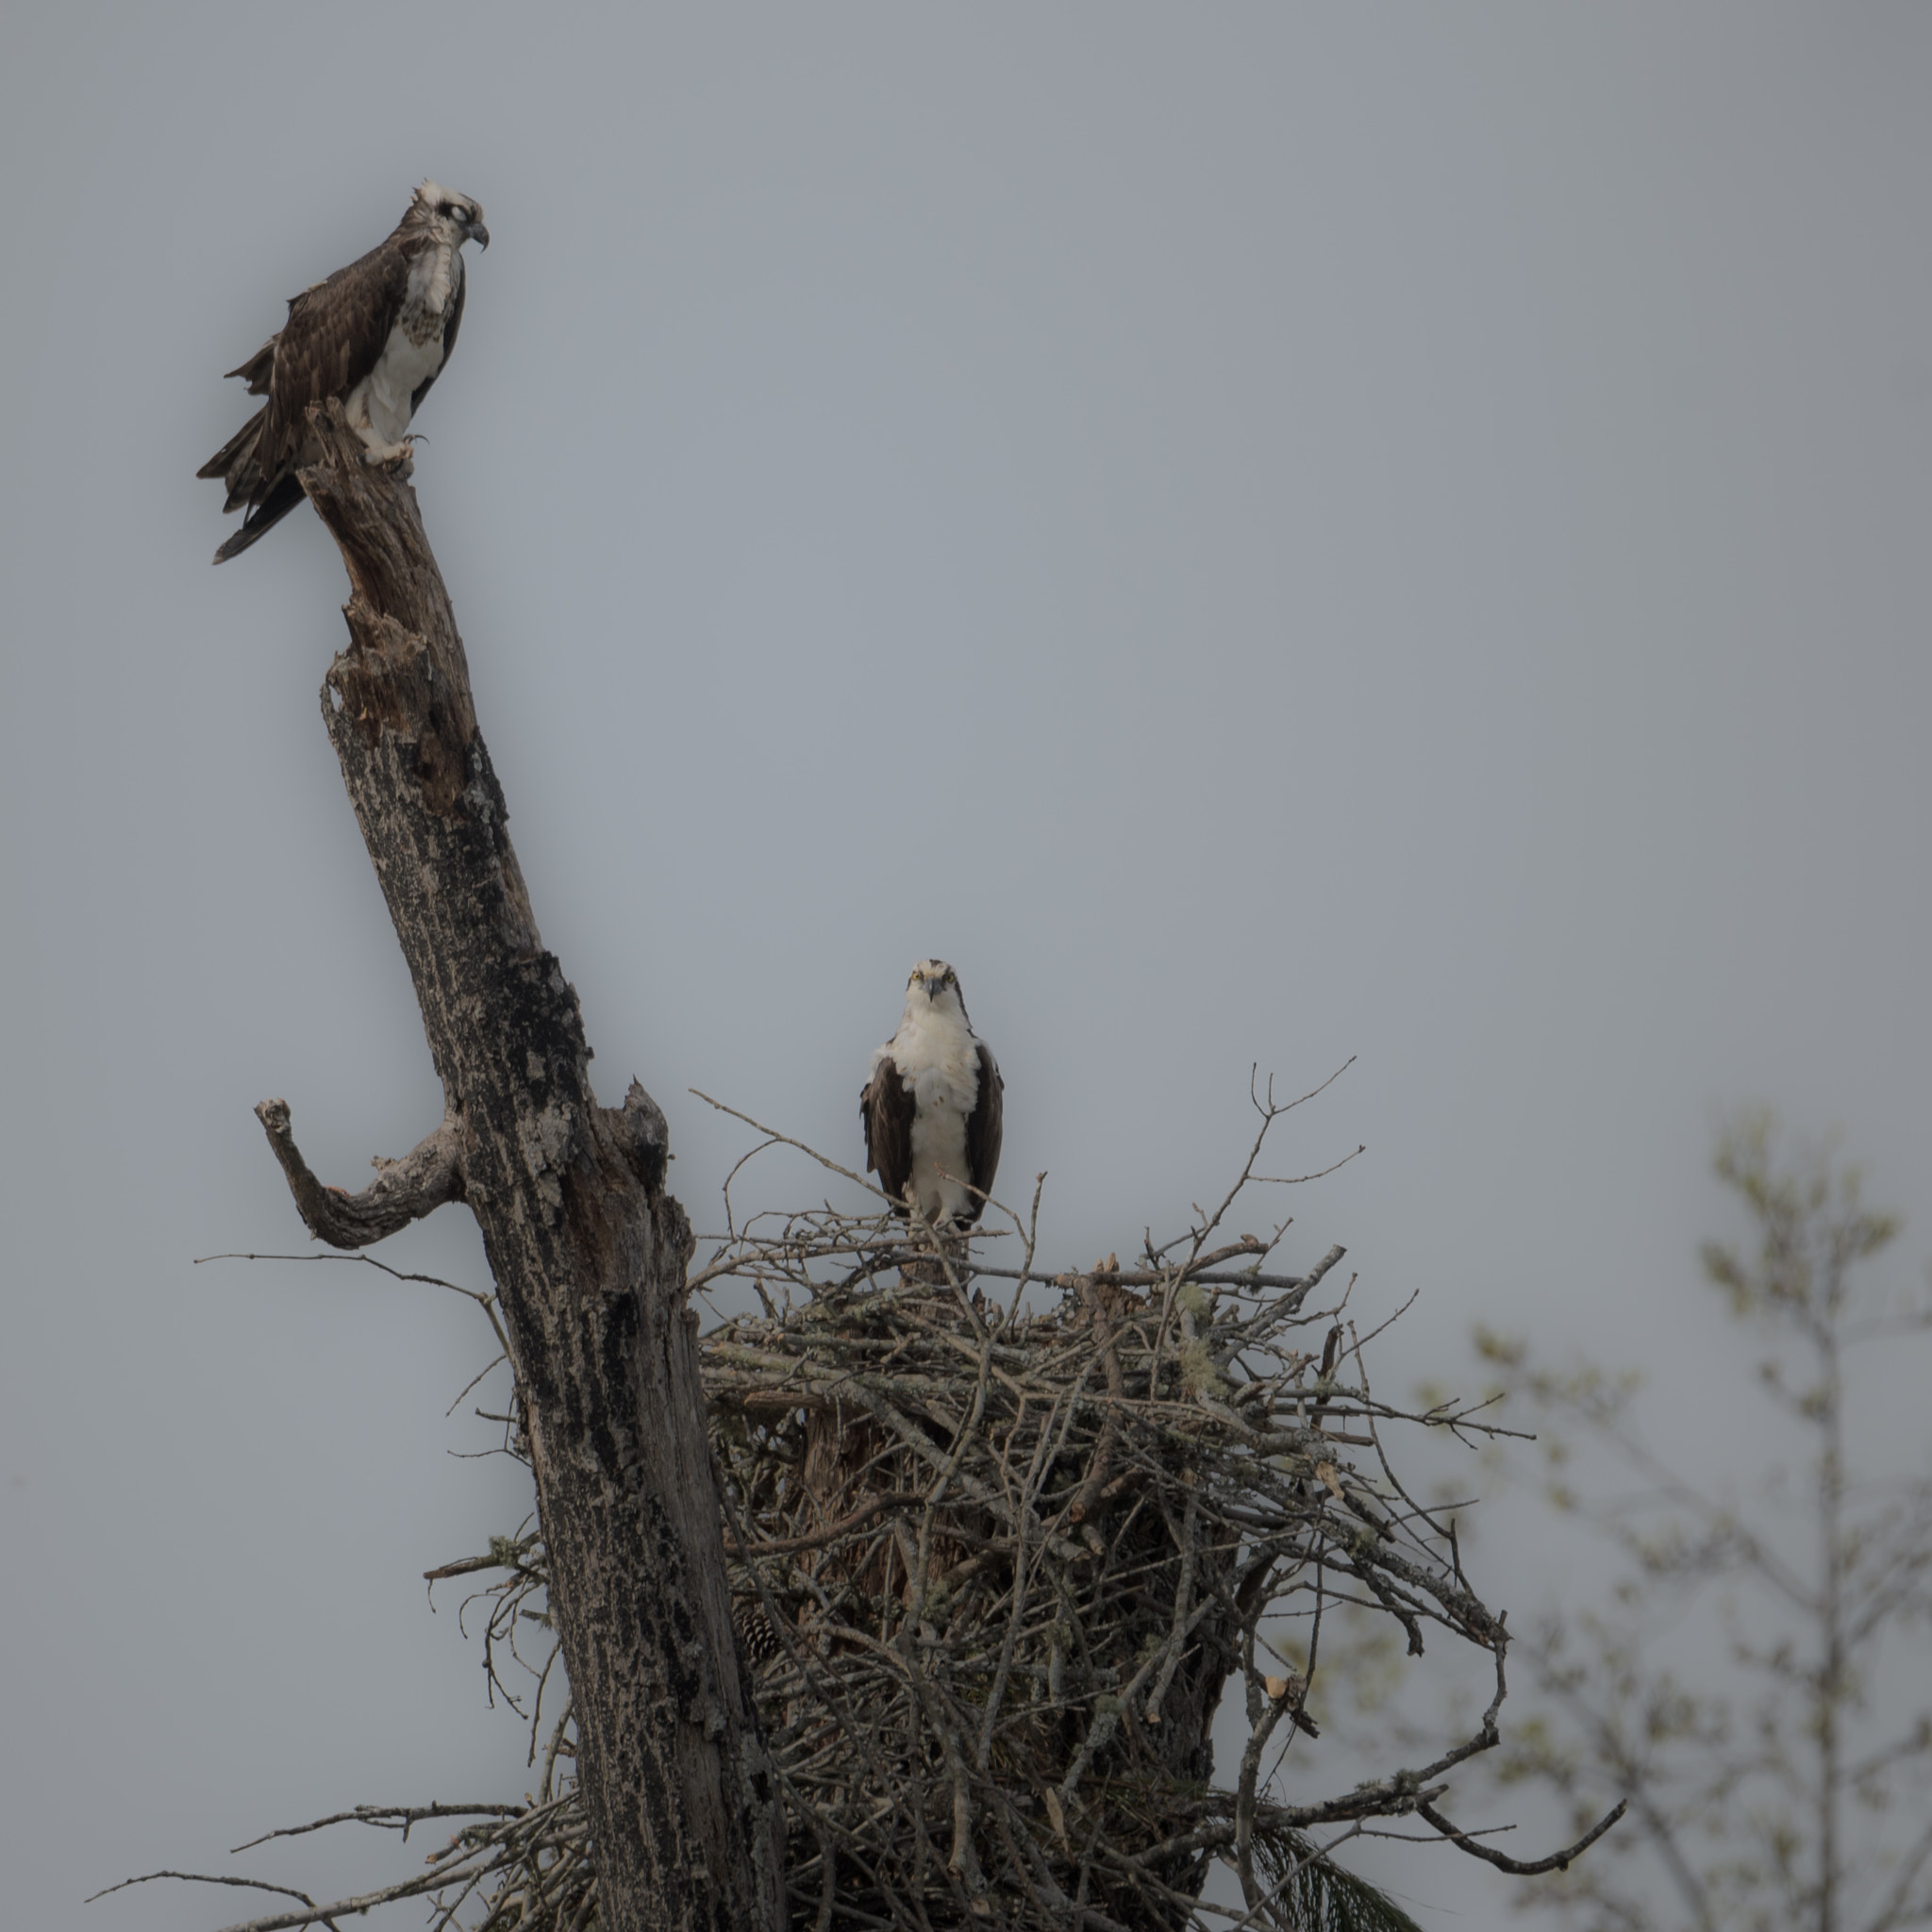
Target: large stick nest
[[994, 1572]]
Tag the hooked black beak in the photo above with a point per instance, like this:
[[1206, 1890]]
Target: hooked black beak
[[479, 233], [933, 989]]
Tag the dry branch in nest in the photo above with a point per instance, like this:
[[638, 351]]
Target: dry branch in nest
[[994, 1568]]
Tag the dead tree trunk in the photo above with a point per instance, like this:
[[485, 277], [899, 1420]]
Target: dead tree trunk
[[588, 1250]]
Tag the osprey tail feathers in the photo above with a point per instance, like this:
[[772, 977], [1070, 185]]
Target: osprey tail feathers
[[233, 462], [263, 517]]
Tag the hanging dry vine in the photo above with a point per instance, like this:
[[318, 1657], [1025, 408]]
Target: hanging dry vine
[[994, 1566]]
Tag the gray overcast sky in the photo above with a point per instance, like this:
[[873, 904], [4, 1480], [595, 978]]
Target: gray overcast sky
[[1262, 535]]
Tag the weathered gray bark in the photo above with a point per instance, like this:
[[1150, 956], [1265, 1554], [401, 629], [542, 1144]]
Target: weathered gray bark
[[588, 1250]]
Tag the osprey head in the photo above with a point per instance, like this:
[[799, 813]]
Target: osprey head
[[934, 983], [436, 203]]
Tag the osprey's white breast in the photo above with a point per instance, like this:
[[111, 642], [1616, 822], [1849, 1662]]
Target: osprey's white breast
[[939, 1058], [382, 403]]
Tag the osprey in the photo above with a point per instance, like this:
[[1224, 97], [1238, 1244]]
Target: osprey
[[376, 335], [933, 1107]]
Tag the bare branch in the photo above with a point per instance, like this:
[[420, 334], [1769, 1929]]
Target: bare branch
[[1556, 1861], [403, 1191], [201, 1879]]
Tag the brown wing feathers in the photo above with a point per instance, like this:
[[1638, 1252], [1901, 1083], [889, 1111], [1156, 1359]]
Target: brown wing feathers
[[985, 1129], [258, 368], [886, 1105], [333, 338]]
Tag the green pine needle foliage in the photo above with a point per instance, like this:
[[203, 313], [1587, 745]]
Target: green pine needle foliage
[[1322, 1897]]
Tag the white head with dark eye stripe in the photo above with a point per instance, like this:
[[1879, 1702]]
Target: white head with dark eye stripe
[[463, 217], [935, 986]]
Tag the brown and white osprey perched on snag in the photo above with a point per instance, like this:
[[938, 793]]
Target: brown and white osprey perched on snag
[[376, 335], [934, 1107]]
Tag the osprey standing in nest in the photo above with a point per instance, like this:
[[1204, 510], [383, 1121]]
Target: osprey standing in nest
[[933, 1108], [375, 335]]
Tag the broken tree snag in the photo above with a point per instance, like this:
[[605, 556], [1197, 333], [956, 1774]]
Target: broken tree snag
[[588, 1250], [403, 1191]]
